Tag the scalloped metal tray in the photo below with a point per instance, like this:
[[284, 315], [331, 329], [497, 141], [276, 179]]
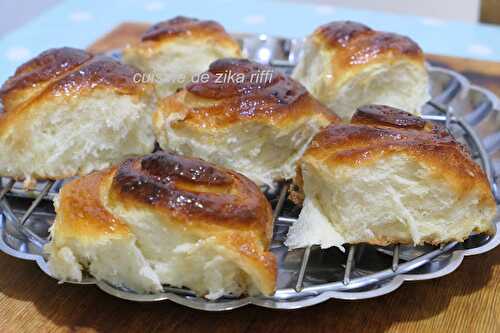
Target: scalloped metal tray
[[306, 276]]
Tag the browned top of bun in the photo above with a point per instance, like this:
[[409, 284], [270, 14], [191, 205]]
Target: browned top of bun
[[255, 95], [194, 192], [358, 143], [180, 30], [64, 72], [340, 33], [378, 133], [386, 116], [99, 71], [48, 65], [218, 100], [355, 43], [181, 25]]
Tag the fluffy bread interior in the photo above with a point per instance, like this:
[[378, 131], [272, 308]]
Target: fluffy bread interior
[[264, 153], [401, 85], [182, 259], [313, 71], [395, 199], [173, 65], [153, 256], [117, 261], [77, 135]]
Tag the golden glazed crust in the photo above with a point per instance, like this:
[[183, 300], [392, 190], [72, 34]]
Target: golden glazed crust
[[352, 44], [221, 101], [181, 25], [184, 28], [384, 115], [66, 73], [36, 74], [81, 213]]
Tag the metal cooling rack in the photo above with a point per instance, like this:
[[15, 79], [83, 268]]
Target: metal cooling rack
[[306, 276]]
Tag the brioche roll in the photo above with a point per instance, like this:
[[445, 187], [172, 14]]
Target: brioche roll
[[173, 52], [67, 112], [346, 64], [165, 219], [389, 178], [259, 124]]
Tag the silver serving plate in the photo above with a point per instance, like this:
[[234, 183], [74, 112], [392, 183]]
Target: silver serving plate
[[306, 276]]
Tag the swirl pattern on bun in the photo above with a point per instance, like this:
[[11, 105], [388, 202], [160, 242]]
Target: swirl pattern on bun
[[347, 64], [166, 219], [389, 179], [245, 116], [172, 52], [68, 112]]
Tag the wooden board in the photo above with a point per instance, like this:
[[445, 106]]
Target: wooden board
[[467, 300]]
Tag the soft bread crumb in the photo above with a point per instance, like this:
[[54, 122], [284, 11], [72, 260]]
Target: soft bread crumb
[[117, 261], [398, 83], [173, 65], [182, 260], [66, 263], [313, 227], [152, 253], [79, 136], [261, 154], [394, 200]]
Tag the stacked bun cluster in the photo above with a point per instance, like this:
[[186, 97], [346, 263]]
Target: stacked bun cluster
[[192, 214]]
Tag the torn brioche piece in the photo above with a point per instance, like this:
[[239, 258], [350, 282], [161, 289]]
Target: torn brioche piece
[[245, 116], [389, 178], [173, 52], [164, 219], [68, 112], [347, 64]]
